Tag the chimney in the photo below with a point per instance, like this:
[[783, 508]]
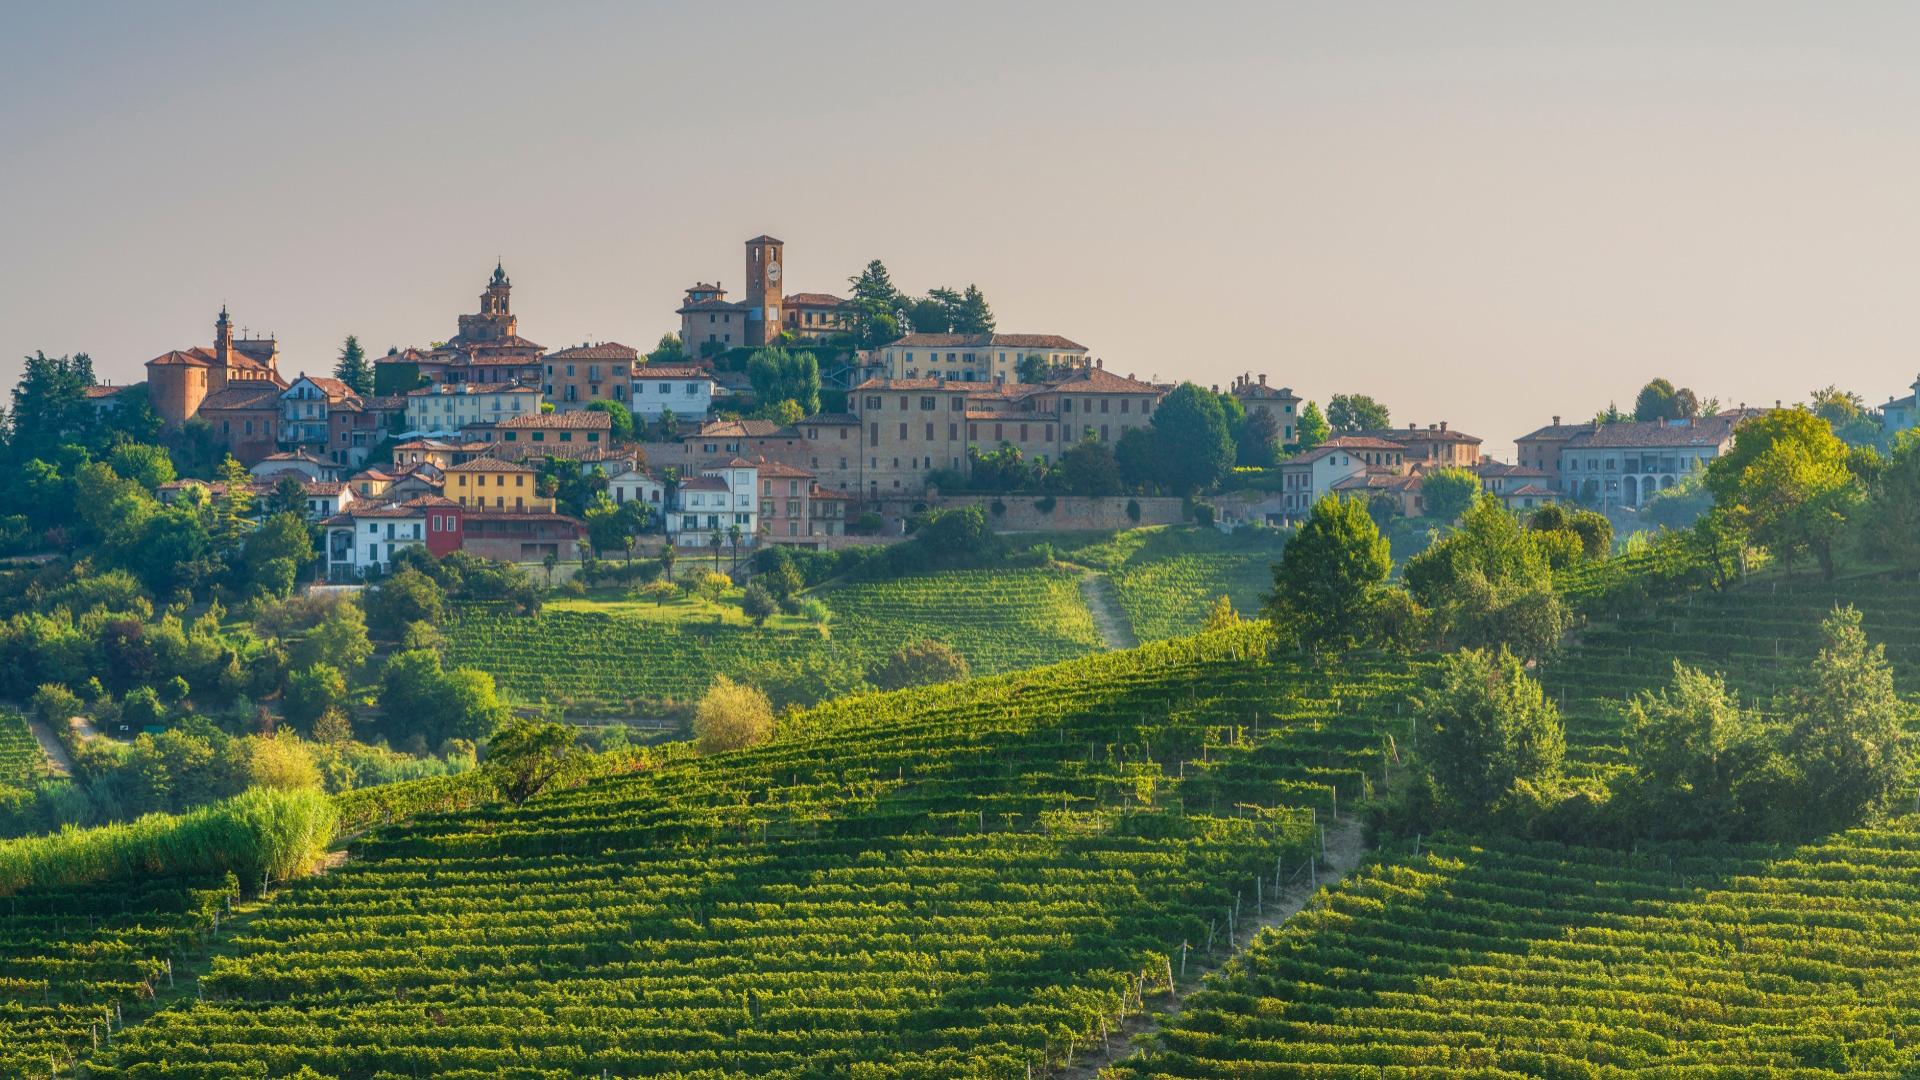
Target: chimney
[[1100, 362], [1443, 425], [1556, 421], [1263, 378], [1776, 403], [1411, 426]]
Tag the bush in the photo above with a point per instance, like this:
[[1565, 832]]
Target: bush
[[1203, 515], [867, 524], [1133, 511], [1490, 731], [409, 596], [1045, 504], [758, 603], [919, 663], [141, 709], [55, 705], [311, 692], [731, 716]]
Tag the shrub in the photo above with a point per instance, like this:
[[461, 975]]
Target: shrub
[[1133, 511], [311, 692], [141, 709], [55, 705], [1045, 504], [1490, 730], [731, 716], [758, 603], [919, 663]]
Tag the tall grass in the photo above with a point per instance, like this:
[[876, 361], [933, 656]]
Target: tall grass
[[256, 835]]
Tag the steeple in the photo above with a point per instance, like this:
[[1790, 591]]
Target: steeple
[[223, 339], [495, 300]]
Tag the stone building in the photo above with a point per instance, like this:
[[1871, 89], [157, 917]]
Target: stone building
[[487, 349], [586, 373], [1278, 402], [1627, 463], [180, 382], [711, 324], [986, 358]]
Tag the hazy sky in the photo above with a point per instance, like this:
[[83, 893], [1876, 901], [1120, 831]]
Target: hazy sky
[[1487, 213]]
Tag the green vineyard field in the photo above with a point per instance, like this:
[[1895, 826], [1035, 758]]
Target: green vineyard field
[[999, 620], [1167, 579], [21, 762], [967, 880]]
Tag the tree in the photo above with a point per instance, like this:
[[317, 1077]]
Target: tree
[[1659, 401], [1347, 413], [933, 313], [668, 555], [620, 415], [50, 405], [731, 716], [353, 368], [972, 315], [1591, 528], [779, 375], [1195, 451], [1690, 747], [1448, 492], [333, 727], [525, 756], [1327, 584], [1488, 584], [403, 599], [1088, 468], [758, 603], [734, 536], [310, 693], [1845, 741], [919, 663], [1312, 429], [1137, 455], [281, 764], [1889, 522], [289, 495], [876, 309], [1032, 368], [234, 505], [1221, 615], [547, 563], [1490, 731], [1846, 412], [670, 350], [148, 466], [339, 639], [1789, 483], [1258, 444]]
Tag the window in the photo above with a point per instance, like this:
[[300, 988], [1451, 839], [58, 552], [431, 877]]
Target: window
[[927, 404]]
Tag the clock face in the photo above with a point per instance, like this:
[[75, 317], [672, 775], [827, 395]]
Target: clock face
[[773, 271]]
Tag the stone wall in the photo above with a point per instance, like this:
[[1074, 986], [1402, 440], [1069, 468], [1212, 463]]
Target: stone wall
[[1070, 512]]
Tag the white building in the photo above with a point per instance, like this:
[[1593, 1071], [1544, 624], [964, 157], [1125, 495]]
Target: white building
[[304, 407], [447, 407], [364, 539], [683, 390], [1308, 477], [1900, 414], [636, 485], [724, 495], [302, 462]]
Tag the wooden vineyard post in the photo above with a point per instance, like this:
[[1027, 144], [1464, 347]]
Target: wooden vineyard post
[[1183, 959], [1259, 898]]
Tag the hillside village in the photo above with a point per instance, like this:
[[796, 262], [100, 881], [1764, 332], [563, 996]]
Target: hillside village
[[490, 443]]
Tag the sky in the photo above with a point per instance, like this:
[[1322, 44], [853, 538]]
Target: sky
[[1486, 213]]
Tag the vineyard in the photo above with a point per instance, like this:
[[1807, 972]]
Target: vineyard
[[1512, 958], [999, 620], [967, 880], [1167, 579], [1531, 959], [21, 761]]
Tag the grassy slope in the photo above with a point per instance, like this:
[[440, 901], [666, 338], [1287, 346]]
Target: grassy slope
[[21, 762], [1000, 620], [1519, 958], [1167, 577], [947, 882]]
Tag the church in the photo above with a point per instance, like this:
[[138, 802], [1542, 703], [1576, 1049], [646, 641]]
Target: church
[[186, 382], [710, 324]]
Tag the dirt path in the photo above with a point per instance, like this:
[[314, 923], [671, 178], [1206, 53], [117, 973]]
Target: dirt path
[[1344, 849], [1097, 591], [56, 755]]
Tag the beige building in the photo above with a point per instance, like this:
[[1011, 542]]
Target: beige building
[[711, 324], [493, 483], [585, 373], [1278, 402], [445, 408], [986, 358]]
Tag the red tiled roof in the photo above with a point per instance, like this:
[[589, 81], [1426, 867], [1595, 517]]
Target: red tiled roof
[[578, 420], [733, 429], [984, 341], [1533, 490], [709, 305], [606, 350], [333, 388], [1095, 380], [178, 358], [925, 384], [812, 299], [96, 392], [486, 464], [780, 469], [671, 371], [243, 395], [1417, 434]]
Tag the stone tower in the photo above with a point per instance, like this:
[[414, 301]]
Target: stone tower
[[764, 271], [222, 354], [495, 320]]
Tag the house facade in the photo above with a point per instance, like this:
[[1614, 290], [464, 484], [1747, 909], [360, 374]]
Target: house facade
[[497, 484], [985, 358], [445, 408], [721, 497], [1306, 478], [586, 373], [684, 390]]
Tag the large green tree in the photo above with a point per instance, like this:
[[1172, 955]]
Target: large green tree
[[353, 367], [1889, 523], [1789, 483], [1845, 742], [779, 375], [1659, 400], [1489, 584], [1327, 585], [50, 404], [1357, 412], [1312, 429], [876, 309], [1446, 493], [1194, 447], [1489, 731]]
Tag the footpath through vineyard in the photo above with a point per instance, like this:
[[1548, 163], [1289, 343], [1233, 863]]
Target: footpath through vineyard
[[1344, 849], [1113, 627]]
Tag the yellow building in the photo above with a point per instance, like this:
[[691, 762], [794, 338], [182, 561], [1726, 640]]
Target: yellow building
[[495, 484]]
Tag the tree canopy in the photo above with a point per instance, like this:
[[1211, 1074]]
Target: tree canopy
[[1327, 585], [1347, 413], [1194, 448]]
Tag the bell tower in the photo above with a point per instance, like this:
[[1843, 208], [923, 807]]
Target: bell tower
[[763, 299], [222, 352]]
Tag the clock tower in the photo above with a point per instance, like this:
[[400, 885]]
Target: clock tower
[[764, 272]]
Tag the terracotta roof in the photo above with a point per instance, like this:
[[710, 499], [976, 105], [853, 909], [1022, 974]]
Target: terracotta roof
[[733, 429], [391, 402], [1425, 434], [178, 358], [485, 464], [1260, 391], [333, 388], [323, 487], [986, 341], [424, 444], [1534, 490], [472, 389], [509, 513], [763, 238], [243, 395], [830, 493], [1377, 480], [831, 420], [709, 305], [1496, 468], [703, 483], [457, 343], [780, 469], [1711, 431], [671, 371], [578, 420], [924, 384], [1095, 380], [812, 299], [371, 474], [1557, 431], [606, 350], [291, 455], [97, 392], [728, 463]]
